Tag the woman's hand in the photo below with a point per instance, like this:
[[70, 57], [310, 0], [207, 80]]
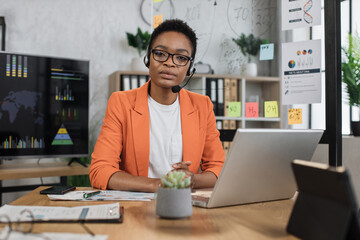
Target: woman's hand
[[184, 166]]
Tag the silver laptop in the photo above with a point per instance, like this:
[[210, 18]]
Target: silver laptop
[[258, 167]]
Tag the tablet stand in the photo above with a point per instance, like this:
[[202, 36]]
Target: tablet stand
[[318, 218]]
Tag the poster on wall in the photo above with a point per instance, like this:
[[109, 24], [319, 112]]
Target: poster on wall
[[300, 13], [301, 72]]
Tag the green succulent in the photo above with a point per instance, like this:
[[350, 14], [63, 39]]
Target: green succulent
[[140, 41], [351, 70], [249, 45], [176, 179]]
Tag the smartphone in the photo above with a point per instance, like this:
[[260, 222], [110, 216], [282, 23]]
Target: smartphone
[[60, 190]]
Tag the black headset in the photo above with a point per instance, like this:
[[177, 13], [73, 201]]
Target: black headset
[[147, 63]]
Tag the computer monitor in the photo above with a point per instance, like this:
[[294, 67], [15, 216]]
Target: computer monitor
[[44, 106]]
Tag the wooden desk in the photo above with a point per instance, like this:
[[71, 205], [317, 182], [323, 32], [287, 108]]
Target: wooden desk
[[33, 170], [252, 221]]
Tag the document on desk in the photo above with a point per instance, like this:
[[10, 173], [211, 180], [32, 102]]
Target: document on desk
[[107, 195], [50, 235], [94, 213]]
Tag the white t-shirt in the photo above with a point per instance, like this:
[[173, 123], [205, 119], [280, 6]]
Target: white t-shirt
[[165, 137]]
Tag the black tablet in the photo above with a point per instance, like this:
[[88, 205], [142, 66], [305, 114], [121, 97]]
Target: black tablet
[[59, 190], [325, 207]]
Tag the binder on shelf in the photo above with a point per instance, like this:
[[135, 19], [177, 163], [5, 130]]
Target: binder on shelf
[[142, 80], [226, 123], [125, 83], [134, 81], [226, 96], [226, 102], [233, 98], [219, 124], [226, 146], [211, 86], [220, 96], [214, 99]]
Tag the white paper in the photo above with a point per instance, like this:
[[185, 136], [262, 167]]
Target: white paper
[[109, 195], [49, 235], [300, 13], [301, 72], [41, 213]]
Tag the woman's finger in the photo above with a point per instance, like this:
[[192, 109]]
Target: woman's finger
[[182, 165]]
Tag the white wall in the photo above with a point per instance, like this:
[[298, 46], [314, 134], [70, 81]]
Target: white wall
[[83, 29]]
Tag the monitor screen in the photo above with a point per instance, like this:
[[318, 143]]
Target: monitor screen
[[44, 106]]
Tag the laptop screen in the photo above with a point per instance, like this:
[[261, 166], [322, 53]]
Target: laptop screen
[[258, 165]]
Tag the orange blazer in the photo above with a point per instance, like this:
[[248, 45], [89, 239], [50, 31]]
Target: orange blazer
[[124, 140]]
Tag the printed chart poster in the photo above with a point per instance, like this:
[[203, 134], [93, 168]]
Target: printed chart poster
[[301, 75], [300, 13]]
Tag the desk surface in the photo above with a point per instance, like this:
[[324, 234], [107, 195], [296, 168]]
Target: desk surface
[[251, 221]]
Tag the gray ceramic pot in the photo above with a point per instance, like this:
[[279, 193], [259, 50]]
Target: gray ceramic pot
[[173, 203]]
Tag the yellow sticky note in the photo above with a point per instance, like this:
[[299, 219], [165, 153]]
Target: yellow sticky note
[[155, 1], [158, 19], [271, 109], [295, 116], [234, 109]]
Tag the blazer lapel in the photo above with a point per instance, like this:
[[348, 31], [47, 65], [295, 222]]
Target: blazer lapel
[[190, 127], [141, 130]]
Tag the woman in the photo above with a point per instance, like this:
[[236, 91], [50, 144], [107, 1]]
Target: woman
[[159, 127]]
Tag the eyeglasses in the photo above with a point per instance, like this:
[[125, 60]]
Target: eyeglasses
[[24, 225], [163, 56]]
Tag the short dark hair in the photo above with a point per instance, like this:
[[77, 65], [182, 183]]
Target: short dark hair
[[175, 25]]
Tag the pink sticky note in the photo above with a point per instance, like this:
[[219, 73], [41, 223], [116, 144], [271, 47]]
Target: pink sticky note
[[252, 109]]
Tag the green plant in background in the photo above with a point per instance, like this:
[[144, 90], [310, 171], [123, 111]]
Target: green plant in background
[[176, 179], [249, 45], [351, 69], [80, 180], [140, 41]]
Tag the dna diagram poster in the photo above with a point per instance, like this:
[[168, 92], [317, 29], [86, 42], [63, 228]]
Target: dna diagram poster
[[301, 72], [300, 13]]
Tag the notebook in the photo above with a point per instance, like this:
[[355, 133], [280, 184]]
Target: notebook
[[104, 213], [258, 167]]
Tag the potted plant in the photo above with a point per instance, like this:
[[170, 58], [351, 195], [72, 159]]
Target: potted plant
[[140, 41], [351, 76], [249, 46], [174, 196]]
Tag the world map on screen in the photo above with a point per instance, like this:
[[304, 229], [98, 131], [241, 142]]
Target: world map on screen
[[21, 101]]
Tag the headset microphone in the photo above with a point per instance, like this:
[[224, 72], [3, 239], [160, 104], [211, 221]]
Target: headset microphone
[[177, 88]]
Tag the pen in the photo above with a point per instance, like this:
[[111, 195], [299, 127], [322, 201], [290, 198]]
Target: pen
[[91, 194]]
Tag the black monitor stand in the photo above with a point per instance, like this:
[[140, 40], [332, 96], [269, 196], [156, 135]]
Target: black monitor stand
[[78, 161]]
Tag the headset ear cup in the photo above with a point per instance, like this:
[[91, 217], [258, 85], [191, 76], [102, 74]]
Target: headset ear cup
[[190, 69], [147, 58], [146, 61]]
